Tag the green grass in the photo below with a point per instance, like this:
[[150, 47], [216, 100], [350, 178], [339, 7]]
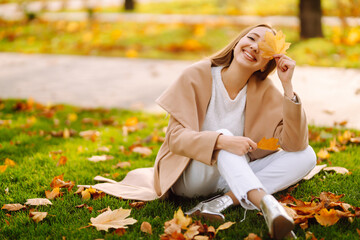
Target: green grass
[[28, 144]]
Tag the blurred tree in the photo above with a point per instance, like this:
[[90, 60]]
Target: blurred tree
[[129, 5], [310, 19]]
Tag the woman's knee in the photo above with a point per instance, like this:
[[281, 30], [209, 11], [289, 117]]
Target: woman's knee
[[307, 158]]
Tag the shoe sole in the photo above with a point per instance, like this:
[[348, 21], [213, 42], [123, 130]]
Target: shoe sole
[[208, 216], [281, 227]]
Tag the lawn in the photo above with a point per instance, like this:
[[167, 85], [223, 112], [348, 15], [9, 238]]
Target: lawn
[[36, 136]]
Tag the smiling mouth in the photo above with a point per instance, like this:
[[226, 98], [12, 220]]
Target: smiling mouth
[[249, 56]]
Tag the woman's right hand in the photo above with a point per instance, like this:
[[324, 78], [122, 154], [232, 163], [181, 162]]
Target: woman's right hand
[[235, 144]]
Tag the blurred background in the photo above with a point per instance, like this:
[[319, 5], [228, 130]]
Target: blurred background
[[322, 32], [124, 53]]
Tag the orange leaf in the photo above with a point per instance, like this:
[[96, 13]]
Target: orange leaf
[[268, 144], [62, 161], [133, 121], [3, 168], [53, 194], [252, 236], [146, 228], [327, 218], [13, 207], [273, 44], [9, 162]]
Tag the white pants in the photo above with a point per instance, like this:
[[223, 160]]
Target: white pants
[[272, 173]]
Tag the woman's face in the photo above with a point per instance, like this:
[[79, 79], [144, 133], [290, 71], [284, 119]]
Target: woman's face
[[247, 52]]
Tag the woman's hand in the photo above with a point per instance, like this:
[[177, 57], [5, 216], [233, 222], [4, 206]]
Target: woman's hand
[[285, 68], [235, 144]]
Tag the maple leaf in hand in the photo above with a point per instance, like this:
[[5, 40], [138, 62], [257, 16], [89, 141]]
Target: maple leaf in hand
[[273, 44], [268, 144]]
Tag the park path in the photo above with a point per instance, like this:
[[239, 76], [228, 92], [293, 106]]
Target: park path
[[328, 94]]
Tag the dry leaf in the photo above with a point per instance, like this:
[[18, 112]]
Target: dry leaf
[[130, 122], [310, 236], [9, 162], [181, 219], [38, 216], [146, 228], [90, 134], [79, 190], [224, 226], [137, 205], [103, 149], [53, 194], [122, 165], [323, 154], [268, 144], [62, 161], [144, 151], [100, 158], [13, 207], [355, 140], [327, 218], [113, 219], [38, 201], [85, 195], [85, 205], [3, 168], [314, 171], [191, 232], [252, 236], [120, 231], [103, 210], [340, 170], [273, 44], [199, 237]]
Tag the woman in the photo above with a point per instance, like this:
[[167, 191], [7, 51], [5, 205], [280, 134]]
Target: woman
[[219, 109]]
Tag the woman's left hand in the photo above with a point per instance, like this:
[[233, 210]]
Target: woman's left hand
[[285, 68]]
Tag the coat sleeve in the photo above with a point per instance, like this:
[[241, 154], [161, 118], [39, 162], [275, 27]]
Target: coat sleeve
[[192, 144], [292, 131]]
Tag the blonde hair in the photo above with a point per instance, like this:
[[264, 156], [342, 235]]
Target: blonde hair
[[225, 56]]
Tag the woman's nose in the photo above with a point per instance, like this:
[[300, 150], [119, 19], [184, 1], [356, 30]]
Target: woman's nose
[[254, 47]]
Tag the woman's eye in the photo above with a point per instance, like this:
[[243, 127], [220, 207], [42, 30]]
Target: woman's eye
[[251, 38]]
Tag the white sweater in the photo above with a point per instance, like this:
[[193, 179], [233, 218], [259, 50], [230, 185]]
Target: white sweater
[[222, 112]]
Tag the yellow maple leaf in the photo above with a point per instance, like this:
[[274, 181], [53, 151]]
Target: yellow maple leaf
[[273, 44], [181, 219], [323, 154], [268, 144], [9, 162]]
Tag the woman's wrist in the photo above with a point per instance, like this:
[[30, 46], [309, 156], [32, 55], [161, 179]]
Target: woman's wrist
[[219, 142]]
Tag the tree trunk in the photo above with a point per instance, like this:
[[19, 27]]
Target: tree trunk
[[129, 5], [310, 19]]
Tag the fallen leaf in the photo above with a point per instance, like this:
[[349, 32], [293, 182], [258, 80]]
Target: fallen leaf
[[3, 168], [53, 194], [85, 205], [273, 44], [340, 170], [358, 231], [122, 165], [200, 237], [144, 151], [100, 158], [355, 140], [62, 161], [181, 219], [310, 236], [314, 171], [85, 195], [327, 217], [38, 201], [103, 210], [13, 207], [38, 216], [224, 226], [79, 190], [323, 154], [146, 228], [9, 162], [137, 205], [120, 231], [252, 236], [133, 121], [90, 134], [191, 232], [103, 149], [268, 144], [113, 219]]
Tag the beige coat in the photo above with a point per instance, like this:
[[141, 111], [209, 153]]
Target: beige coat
[[267, 114]]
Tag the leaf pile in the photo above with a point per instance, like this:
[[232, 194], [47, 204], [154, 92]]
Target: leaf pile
[[326, 209], [180, 228]]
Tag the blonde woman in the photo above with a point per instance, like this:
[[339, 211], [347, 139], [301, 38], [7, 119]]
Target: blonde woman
[[219, 109]]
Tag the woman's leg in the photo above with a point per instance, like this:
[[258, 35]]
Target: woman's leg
[[282, 169]]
